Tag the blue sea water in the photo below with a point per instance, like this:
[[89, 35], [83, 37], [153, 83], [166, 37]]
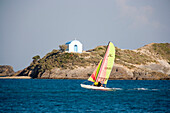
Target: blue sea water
[[49, 95]]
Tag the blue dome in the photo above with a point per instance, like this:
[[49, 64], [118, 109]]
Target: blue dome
[[68, 42]]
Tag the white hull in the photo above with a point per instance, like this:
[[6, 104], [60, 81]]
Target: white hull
[[96, 87]]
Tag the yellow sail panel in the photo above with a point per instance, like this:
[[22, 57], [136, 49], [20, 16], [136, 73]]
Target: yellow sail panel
[[93, 77], [107, 64], [110, 61]]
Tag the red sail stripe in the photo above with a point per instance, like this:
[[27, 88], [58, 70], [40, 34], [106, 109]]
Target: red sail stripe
[[102, 72]]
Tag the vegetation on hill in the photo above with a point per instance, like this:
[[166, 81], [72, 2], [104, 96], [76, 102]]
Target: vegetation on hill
[[158, 50], [163, 49], [64, 60], [130, 58]]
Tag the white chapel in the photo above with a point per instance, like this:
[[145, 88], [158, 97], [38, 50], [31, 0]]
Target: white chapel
[[74, 46]]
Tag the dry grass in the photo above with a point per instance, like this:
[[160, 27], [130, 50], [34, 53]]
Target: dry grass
[[132, 57], [127, 58]]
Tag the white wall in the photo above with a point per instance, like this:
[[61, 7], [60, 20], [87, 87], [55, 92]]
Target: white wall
[[79, 45]]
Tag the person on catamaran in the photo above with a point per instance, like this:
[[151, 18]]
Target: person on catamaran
[[98, 84]]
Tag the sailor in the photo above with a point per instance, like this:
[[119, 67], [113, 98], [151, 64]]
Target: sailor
[[98, 84]]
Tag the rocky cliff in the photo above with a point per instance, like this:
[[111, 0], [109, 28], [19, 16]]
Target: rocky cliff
[[6, 70], [151, 62]]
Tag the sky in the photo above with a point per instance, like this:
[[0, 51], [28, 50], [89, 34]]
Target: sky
[[36, 27]]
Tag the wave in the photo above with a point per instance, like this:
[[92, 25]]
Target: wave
[[155, 89], [118, 88], [140, 89], [149, 89]]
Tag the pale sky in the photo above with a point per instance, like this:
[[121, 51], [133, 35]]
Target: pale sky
[[36, 27]]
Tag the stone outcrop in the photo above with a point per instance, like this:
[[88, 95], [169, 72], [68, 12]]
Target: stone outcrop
[[118, 73], [6, 70]]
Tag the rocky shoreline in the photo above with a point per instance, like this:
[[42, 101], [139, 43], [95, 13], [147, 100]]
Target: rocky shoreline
[[118, 73], [16, 77]]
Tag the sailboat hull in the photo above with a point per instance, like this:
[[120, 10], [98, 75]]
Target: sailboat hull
[[96, 87]]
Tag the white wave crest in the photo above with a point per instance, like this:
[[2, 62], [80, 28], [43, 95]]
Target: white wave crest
[[141, 88], [154, 89], [118, 88]]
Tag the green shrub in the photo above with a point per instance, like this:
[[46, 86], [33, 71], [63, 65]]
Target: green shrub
[[36, 57]]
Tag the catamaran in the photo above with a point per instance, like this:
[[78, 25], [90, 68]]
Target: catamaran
[[102, 72]]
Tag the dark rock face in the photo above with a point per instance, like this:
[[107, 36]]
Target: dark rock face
[[6, 70], [78, 73], [33, 73]]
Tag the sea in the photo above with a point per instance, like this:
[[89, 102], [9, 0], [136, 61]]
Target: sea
[[67, 96]]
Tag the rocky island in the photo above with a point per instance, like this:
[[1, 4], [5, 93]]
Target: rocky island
[[6, 70], [151, 62]]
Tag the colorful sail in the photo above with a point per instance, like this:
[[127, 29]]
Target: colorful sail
[[93, 77], [107, 64]]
